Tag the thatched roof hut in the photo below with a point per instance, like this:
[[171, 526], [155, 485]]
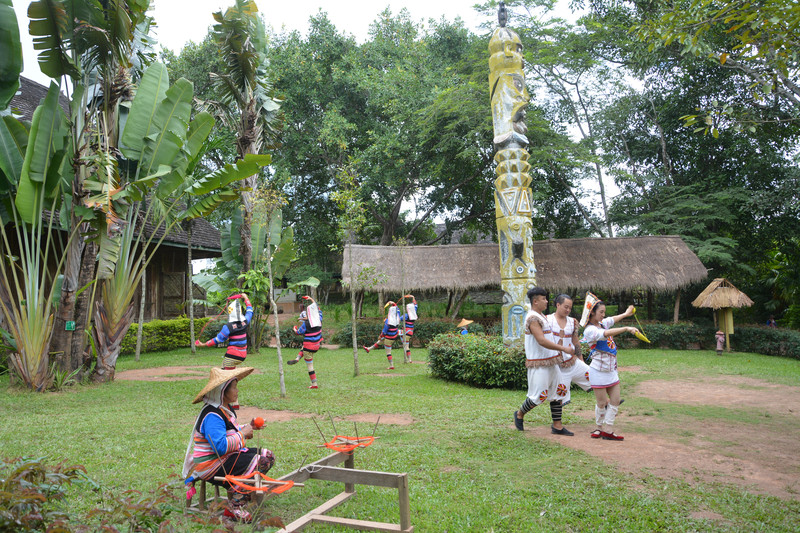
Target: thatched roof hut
[[721, 294], [658, 263]]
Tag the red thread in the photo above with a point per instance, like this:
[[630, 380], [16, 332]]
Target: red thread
[[349, 444]]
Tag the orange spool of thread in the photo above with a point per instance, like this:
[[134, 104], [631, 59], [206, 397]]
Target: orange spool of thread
[[258, 422]]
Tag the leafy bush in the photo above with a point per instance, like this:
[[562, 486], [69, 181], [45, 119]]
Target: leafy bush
[[163, 335], [27, 486], [680, 336], [367, 332], [478, 360], [289, 339]]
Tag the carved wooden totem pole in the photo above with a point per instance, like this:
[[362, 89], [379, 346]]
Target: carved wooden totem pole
[[512, 187]]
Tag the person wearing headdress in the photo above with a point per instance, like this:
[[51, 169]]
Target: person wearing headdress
[[217, 446], [409, 318], [234, 332], [542, 357], [565, 332], [311, 330], [390, 332], [463, 326], [603, 376]]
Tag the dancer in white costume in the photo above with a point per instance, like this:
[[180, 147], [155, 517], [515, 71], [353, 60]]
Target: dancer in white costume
[[565, 332], [542, 358], [603, 369]]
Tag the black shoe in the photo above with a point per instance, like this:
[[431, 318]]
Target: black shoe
[[562, 431], [518, 422], [292, 361], [621, 401]]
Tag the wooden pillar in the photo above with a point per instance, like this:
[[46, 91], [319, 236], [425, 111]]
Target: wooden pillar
[[677, 306]]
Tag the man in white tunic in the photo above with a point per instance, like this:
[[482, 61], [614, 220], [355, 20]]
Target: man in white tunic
[[542, 358], [565, 332]]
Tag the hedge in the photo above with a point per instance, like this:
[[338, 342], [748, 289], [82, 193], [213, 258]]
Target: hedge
[[367, 331], [163, 335]]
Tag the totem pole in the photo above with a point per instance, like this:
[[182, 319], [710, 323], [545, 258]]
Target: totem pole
[[512, 195]]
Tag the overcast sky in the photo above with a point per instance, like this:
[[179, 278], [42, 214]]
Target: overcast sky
[[181, 21]]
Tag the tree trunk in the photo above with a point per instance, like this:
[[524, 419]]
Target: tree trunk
[[649, 305], [83, 306], [677, 306], [190, 290], [277, 321], [450, 295], [108, 339], [381, 300], [457, 307], [61, 341], [353, 309], [141, 316]]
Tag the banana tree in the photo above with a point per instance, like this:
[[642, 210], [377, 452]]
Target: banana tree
[[32, 174], [163, 140]]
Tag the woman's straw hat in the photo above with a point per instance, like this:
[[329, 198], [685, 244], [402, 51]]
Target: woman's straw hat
[[218, 376], [464, 323]]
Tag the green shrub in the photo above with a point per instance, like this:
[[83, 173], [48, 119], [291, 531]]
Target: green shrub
[[367, 332], [289, 339], [163, 335], [767, 341], [680, 336], [477, 360]]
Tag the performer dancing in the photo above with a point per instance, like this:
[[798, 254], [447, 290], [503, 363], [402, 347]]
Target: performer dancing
[[565, 331], [408, 326], [389, 334], [311, 329], [542, 358], [234, 332], [603, 375]]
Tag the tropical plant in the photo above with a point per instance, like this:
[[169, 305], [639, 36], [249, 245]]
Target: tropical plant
[[246, 105]]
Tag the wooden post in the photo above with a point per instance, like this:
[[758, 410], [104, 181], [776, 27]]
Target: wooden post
[[350, 462], [202, 492], [405, 508], [677, 306]]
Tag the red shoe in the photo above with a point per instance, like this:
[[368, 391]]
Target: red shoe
[[240, 515], [596, 434], [391, 368], [314, 387], [366, 349], [611, 436]]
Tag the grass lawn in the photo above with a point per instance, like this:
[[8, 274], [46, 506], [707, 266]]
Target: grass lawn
[[469, 469]]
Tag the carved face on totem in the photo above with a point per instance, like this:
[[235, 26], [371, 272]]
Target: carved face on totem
[[508, 90]]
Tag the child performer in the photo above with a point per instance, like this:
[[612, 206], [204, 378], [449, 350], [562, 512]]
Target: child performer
[[542, 359], [311, 329], [408, 321], [603, 375], [389, 333], [235, 332], [565, 332]]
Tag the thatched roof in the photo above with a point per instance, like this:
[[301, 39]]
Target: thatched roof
[[30, 95], [720, 294], [659, 263]]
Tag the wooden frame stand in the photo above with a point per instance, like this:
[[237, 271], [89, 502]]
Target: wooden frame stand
[[326, 470]]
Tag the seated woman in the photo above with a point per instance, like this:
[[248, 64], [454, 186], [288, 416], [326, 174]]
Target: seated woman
[[217, 446]]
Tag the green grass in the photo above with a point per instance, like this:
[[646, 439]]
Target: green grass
[[469, 470]]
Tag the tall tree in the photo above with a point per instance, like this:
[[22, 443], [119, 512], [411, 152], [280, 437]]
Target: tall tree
[[246, 104]]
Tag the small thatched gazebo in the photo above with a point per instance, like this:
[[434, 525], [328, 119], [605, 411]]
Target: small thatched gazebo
[[723, 297], [656, 263]]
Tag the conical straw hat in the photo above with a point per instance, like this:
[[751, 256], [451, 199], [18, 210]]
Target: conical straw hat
[[591, 301], [464, 323], [218, 376]]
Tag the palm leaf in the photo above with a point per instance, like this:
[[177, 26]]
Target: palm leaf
[[10, 51], [45, 140], [170, 123], [140, 124], [50, 26], [244, 168], [13, 142]]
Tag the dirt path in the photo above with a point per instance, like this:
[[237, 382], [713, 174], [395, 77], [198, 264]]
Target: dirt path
[[762, 459]]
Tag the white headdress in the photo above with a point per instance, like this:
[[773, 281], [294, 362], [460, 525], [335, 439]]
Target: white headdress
[[411, 310], [313, 315], [393, 315], [235, 311], [591, 301]]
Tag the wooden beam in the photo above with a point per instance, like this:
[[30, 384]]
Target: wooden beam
[[364, 525], [359, 477], [307, 518]]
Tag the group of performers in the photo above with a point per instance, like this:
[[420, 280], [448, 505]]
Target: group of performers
[[554, 361], [391, 329]]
